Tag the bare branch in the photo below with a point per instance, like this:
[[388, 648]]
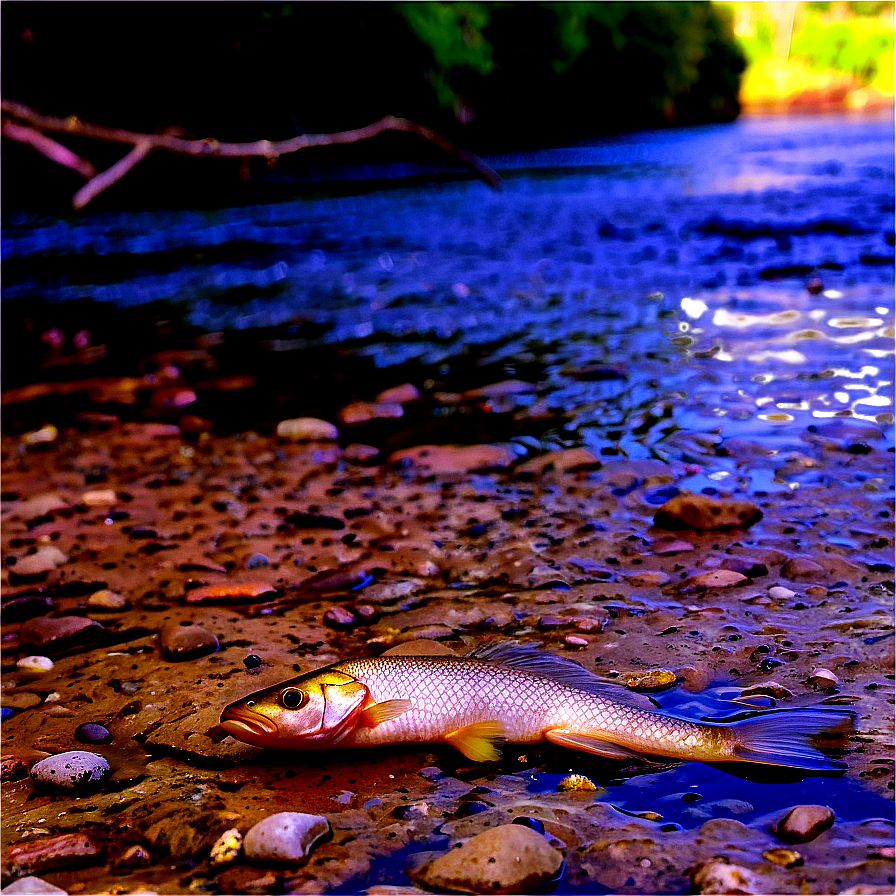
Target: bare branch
[[48, 147], [111, 175], [268, 149]]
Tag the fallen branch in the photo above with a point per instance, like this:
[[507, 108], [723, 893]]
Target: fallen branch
[[28, 126]]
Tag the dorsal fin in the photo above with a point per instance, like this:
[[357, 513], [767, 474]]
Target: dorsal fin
[[558, 668]]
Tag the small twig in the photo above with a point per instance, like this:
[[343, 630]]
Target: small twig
[[271, 150], [48, 147], [114, 173]]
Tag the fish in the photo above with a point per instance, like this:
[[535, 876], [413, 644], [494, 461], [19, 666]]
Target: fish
[[505, 692]]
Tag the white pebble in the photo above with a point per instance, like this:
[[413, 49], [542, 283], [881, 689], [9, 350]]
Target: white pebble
[[779, 592], [284, 836], [76, 768], [36, 664]]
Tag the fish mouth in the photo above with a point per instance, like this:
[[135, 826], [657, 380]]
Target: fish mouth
[[249, 727]]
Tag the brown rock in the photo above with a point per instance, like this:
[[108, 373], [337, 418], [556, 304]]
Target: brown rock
[[186, 641], [688, 511], [715, 578], [562, 461], [440, 459], [339, 617], [804, 823], [39, 563], [54, 634], [506, 859], [229, 591], [802, 569], [307, 429], [64, 851], [40, 505], [402, 394], [364, 411]]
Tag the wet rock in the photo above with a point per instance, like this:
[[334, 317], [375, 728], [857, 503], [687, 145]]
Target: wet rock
[[33, 886], [665, 546], [284, 836], [506, 859], [364, 411], [99, 497], [565, 461], [779, 592], [447, 459], [768, 689], [823, 680], [18, 609], [93, 733], [716, 578], [649, 578], [229, 591], [576, 783], [20, 699], [648, 681], [74, 770], [402, 394], [746, 566], [107, 601], [719, 876], [307, 429], [60, 852], [186, 641], [41, 505], [702, 512], [36, 665], [786, 858], [42, 561], [802, 569], [133, 857], [803, 824], [575, 641], [360, 454], [257, 561], [13, 768], [56, 634]]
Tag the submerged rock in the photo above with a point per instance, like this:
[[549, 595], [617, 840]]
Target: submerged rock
[[33, 886], [507, 859], [285, 836], [689, 511], [719, 876], [804, 823], [186, 641]]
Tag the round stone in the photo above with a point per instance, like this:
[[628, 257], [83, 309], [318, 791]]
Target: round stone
[[93, 733], [284, 836], [73, 770]]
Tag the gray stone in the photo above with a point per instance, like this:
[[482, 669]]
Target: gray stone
[[804, 823], [284, 836], [32, 886], [506, 859], [74, 769]]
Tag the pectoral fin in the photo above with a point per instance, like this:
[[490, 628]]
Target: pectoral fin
[[477, 741], [377, 713], [591, 745]]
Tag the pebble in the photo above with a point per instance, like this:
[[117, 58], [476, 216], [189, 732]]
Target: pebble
[[787, 858], [575, 641], [42, 436], [54, 634], [803, 824], [36, 665], [284, 836], [652, 578], [802, 569], [21, 700], [823, 680], [715, 578], [93, 733], [339, 617], [99, 497], [104, 599], [402, 394], [360, 454], [227, 847], [779, 592], [648, 681], [690, 511], [13, 768], [666, 545], [447, 459], [73, 769], [307, 429], [768, 689], [576, 783], [365, 411], [752, 569], [718, 876], [32, 886], [41, 505], [229, 591], [186, 641], [506, 859], [43, 560], [257, 560]]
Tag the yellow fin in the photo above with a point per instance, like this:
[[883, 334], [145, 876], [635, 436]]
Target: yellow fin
[[477, 741], [377, 713], [591, 745]]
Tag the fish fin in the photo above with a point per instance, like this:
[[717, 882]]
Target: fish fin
[[591, 744], [785, 737], [377, 713], [477, 741], [557, 668]]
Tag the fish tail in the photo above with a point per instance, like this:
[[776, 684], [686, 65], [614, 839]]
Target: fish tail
[[785, 737]]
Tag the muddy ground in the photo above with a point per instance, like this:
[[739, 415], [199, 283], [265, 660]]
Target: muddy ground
[[338, 552]]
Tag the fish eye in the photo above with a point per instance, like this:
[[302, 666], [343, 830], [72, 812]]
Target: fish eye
[[250, 703], [292, 698]]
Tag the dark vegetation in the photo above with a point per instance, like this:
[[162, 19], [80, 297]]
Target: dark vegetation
[[491, 76]]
